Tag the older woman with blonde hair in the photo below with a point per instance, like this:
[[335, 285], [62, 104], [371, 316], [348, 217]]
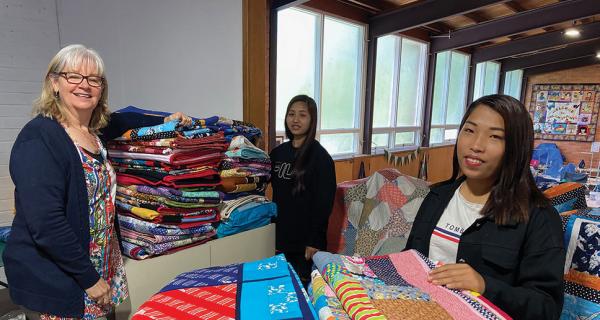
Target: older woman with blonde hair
[[62, 259]]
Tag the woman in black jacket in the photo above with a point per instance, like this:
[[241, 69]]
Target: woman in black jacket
[[303, 180], [493, 230]]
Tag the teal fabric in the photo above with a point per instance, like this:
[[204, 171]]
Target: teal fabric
[[247, 217]]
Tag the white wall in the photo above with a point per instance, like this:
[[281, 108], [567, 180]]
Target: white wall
[[178, 55], [182, 55], [28, 40]]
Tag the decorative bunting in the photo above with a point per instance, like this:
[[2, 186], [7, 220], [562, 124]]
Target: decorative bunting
[[400, 161]]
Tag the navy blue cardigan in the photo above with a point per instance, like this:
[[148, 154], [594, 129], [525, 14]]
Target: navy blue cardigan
[[47, 254]]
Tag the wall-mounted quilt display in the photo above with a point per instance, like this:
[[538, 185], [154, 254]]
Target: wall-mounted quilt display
[[565, 111]]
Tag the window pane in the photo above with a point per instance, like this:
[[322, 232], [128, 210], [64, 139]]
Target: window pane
[[439, 88], [412, 65], [342, 57], [379, 140], [437, 135], [338, 143], [450, 134], [296, 42], [492, 72], [457, 87], [405, 138], [479, 75], [512, 84], [384, 81]]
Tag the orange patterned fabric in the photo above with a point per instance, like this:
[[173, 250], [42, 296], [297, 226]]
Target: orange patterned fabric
[[400, 309]]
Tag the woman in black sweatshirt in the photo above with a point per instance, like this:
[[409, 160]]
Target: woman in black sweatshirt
[[303, 181]]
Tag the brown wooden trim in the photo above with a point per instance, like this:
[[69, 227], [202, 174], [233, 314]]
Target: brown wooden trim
[[416, 34], [256, 65], [438, 169], [272, 76], [335, 8]]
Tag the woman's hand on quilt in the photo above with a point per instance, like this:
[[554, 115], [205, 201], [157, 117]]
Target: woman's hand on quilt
[[183, 119], [309, 252], [100, 292], [457, 276]]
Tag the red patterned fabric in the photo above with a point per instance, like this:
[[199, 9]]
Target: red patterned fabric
[[215, 303]]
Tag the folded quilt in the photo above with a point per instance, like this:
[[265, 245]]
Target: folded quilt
[[154, 239], [210, 178], [393, 286], [582, 264], [161, 229], [171, 200], [249, 215], [140, 252], [179, 158], [264, 289], [241, 147]]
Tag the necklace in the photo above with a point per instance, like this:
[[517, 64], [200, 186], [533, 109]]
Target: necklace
[[88, 138]]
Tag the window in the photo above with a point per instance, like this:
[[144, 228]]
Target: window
[[512, 83], [399, 92], [487, 75], [449, 95], [323, 57]]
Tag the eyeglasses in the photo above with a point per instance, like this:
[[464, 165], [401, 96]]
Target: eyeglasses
[[76, 78]]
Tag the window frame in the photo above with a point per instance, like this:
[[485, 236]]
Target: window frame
[[508, 83], [445, 127], [360, 93], [394, 128], [479, 82]]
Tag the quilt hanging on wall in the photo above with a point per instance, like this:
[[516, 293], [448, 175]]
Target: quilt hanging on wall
[[565, 111]]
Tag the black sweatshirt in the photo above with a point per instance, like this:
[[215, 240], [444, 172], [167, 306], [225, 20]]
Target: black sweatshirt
[[302, 219]]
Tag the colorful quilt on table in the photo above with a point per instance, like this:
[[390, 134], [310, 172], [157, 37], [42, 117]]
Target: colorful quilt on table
[[373, 216], [392, 286], [264, 289], [582, 264]]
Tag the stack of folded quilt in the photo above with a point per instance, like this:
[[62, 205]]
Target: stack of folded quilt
[[245, 172], [170, 187], [245, 169], [392, 286], [166, 178]]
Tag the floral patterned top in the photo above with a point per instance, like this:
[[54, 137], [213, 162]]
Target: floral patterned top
[[105, 254]]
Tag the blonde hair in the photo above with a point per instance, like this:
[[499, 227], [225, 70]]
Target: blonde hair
[[72, 56]]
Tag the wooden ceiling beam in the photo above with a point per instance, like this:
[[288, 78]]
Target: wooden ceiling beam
[[563, 65], [517, 23], [574, 51], [515, 6], [539, 42], [423, 13]]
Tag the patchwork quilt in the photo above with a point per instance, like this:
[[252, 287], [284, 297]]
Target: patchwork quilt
[[264, 289], [373, 216], [391, 286], [582, 265]]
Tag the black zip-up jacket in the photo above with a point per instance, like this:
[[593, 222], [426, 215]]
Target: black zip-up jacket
[[521, 263]]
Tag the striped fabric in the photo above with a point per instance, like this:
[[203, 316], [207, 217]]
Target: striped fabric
[[355, 299]]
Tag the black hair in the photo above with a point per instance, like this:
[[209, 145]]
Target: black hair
[[514, 190], [302, 153]]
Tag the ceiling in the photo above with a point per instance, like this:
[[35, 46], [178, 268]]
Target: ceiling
[[489, 30]]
